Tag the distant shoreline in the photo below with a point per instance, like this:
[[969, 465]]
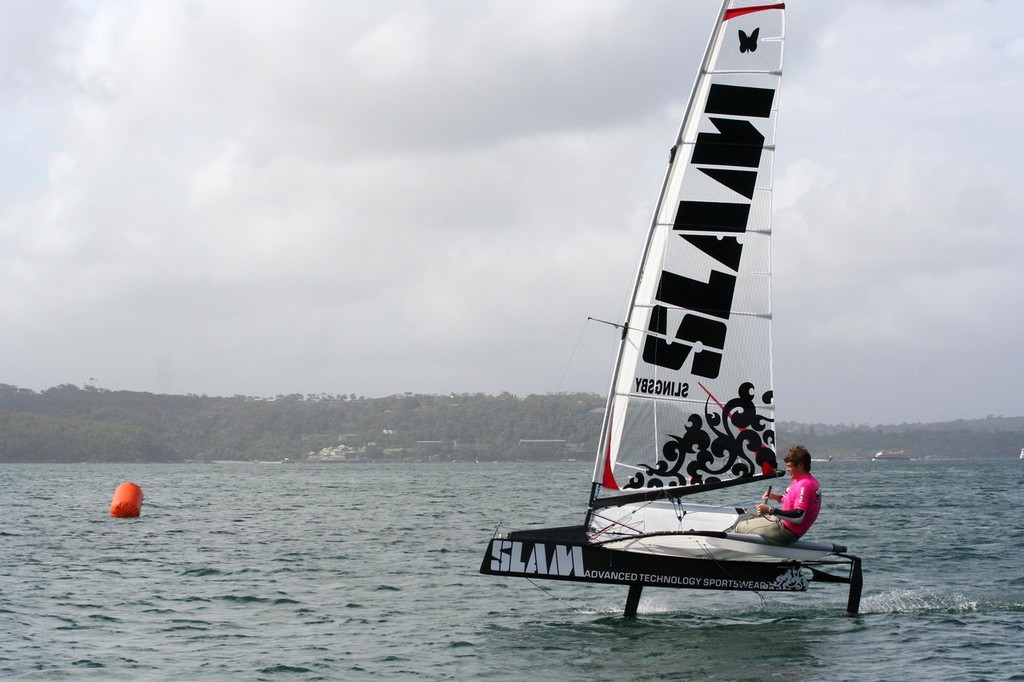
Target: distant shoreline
[[72, 424]]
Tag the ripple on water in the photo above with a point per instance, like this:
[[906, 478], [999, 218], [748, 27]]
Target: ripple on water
[[226, 576]]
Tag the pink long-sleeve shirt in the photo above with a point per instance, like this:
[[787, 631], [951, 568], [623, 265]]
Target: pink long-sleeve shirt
[[804, 493]]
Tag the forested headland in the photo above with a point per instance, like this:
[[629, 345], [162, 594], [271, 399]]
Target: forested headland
[[68, 423]]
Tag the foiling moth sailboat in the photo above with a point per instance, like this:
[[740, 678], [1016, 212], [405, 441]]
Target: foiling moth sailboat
[[691, 405]]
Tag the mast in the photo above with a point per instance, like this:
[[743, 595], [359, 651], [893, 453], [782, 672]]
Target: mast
[[603, 443]]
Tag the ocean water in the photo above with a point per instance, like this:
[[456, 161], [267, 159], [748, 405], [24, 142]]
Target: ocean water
[[328, 572]]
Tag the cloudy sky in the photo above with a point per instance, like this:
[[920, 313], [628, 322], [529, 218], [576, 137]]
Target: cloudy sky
[[349, 197]]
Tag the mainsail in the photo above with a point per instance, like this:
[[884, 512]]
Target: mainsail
[[691, 402]]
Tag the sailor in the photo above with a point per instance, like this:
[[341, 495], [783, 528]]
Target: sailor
[[800, 505]]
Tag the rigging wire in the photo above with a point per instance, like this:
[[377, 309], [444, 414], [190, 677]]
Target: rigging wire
[[572, 355], [677, 505], [579, 339], [721, 567], [554, 596]]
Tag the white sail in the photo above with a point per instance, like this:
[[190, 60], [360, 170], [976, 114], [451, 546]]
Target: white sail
[[691, 400]]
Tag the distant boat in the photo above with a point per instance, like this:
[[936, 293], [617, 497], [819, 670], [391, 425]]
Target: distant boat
[[890, 456], [821, 459], [1022, 453]]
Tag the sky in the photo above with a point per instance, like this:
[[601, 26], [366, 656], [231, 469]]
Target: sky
[[241, 197]]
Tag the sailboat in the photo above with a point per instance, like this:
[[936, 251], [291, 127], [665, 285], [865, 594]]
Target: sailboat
[[691, 406]]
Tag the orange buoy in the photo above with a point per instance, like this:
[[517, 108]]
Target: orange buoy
[[127, 501]]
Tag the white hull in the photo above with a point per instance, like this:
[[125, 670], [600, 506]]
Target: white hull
[[681, 530], [659, 516], [733, 547]]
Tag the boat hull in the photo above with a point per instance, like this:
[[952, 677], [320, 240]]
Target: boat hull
[[693, 531], [565, 554], [722, 547]]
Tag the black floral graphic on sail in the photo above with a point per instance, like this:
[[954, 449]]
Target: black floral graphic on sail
[[729, 441]]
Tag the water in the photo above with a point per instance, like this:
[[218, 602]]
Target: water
[[304, 572]]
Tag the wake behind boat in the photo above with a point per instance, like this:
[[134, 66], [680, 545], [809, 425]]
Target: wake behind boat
[[691, 406]]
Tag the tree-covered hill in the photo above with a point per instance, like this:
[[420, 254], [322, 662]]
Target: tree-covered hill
[[71, 424], [68, 423], [989, 438]]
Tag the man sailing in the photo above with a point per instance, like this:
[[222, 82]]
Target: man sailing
[[800, 504]]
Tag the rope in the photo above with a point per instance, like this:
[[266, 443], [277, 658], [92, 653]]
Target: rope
[[553, 595], [723, 569], [572, 356]]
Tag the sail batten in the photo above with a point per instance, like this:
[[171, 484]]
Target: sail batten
[[691, 400]]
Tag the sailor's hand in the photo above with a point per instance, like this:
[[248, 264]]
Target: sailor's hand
[[762, 509]]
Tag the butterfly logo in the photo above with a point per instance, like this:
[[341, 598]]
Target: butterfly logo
[[749, 43]]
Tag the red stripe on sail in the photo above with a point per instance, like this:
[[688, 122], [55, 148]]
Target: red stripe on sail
[[740, 11], [710, 395], [608, 479]]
